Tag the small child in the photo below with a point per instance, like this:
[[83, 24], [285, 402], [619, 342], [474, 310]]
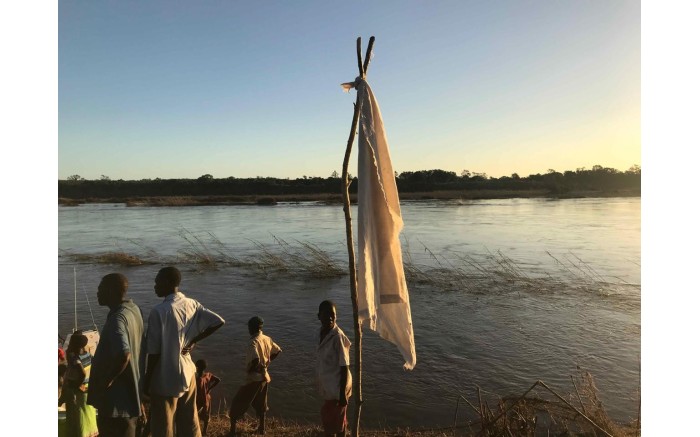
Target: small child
[[260, 352], [335, 380], [206, 381]]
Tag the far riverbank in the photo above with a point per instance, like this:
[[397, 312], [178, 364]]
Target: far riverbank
[[326, 198]]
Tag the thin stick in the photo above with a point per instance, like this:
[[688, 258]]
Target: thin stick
[[357, 381], [469, 403], [639, 410], [454, 423], [75, 299], [538, 382], [368, 56], [578, 394], [482, 413], [359, 59], [502, 407], [574, 408]]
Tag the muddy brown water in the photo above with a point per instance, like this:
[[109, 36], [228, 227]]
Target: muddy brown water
[[584, 252]]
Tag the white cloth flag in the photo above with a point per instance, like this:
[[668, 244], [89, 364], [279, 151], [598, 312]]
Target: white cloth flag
[[382, 292]]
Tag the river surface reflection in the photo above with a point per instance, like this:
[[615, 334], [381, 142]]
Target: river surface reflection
[[501, 341]]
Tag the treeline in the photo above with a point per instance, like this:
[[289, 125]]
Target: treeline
[[597, 179]]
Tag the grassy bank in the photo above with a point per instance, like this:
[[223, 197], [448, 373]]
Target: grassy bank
[[537, 411], [325, 198], [276, 427]]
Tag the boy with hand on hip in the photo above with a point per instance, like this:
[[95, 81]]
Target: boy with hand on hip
[[335, 380], [261, 351]]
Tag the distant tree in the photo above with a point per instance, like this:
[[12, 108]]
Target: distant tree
[[635, 170], [335, 175], [599, 178], [104, 178]]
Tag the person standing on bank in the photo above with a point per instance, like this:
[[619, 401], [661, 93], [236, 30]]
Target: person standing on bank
[[206, 381], [115, 376], [174, 326], [81, 418], [261, 350], [335, 380]]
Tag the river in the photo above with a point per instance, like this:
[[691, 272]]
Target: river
[[503, 293]]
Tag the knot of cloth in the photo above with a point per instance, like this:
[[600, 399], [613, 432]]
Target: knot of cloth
[[347, 86]]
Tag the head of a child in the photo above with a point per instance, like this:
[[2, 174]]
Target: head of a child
[[326, 314], [201, 365], [255, 325], [77, 342]]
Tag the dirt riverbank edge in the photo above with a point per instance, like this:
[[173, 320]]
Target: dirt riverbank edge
[[331, 199]]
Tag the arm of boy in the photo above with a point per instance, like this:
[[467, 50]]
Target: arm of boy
[[276, 350], [342, 396], [255, 366], [120, 338], [214, 381], [343, 350]]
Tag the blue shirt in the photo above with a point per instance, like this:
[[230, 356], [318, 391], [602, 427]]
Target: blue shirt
[[122, 333]]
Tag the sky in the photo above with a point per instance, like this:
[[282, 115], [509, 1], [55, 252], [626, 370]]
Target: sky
[[176, 89]]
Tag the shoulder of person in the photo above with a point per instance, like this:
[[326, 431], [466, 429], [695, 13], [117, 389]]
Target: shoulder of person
[[132, 306], [344, 340], [161, 306]]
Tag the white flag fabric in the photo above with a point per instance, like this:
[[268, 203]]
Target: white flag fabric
[[382, 293]]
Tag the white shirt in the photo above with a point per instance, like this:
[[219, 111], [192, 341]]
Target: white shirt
[[261, 347], [172, 324], [333, 353]]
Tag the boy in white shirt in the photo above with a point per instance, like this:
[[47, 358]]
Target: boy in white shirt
[[335, 380]]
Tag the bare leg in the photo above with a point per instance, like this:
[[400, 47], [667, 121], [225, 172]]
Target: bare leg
[[233, 431], [261, 424], [205, 425]]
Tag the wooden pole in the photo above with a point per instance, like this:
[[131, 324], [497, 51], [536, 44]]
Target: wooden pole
[[345, 188]]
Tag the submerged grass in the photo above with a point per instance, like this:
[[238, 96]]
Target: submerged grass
[[477, 273], [118, 258]]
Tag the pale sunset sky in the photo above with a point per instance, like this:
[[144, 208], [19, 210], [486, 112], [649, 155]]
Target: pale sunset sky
[[180, 89]]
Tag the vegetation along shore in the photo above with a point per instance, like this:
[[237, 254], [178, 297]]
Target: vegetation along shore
[[419, 185], [539, 410]]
